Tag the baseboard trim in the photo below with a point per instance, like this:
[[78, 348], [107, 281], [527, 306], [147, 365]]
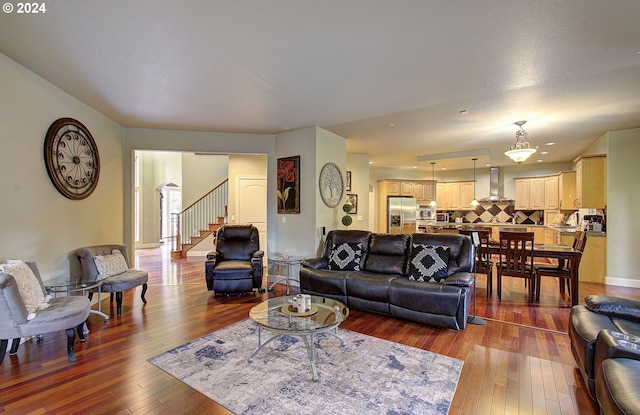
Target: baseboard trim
[[622, 282]]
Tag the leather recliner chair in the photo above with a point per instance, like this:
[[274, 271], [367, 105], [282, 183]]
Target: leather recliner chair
[[235, 267], [587, 327]]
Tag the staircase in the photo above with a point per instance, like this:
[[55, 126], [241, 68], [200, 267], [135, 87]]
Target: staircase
[[201, 219]]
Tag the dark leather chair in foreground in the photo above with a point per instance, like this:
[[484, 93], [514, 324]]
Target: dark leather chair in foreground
[[236, 265], [597, 332]]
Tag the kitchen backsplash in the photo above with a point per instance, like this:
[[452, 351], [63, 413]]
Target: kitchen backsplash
[[501, 212]]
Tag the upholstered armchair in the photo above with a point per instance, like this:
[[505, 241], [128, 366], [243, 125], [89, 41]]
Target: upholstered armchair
[[26, 312], [235, 267], [110, 263]]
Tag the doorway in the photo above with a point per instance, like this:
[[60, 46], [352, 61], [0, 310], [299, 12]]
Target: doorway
[[170, 204]]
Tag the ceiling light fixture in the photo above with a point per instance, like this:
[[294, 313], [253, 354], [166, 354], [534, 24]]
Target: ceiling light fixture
[[433, 203], [474, 202], [522, 149]]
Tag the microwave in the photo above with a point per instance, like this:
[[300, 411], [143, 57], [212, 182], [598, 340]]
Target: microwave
[[442, 217], [425, 212]]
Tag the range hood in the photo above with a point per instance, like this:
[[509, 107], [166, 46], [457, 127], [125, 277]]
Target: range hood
[[494, 187]]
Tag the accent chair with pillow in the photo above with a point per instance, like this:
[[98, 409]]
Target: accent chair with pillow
[[26, 310], [426, 278], [110, 263]]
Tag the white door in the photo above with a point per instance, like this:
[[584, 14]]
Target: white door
[[251, 205]]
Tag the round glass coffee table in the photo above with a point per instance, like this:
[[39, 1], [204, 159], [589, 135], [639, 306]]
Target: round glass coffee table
[[275, 316]]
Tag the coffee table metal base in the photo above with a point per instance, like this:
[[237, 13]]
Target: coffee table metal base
[[308, 343]]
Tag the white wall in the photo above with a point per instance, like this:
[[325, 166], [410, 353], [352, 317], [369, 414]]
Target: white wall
[[36, 222], [623, 200], [296, 232], [358, 165], [330, 148], [201, 173], [195, 141]]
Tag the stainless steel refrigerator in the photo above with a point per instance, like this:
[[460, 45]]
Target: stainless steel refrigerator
[[401, 215]]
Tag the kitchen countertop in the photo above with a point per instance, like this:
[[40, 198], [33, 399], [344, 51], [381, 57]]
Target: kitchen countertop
[[562, 229]]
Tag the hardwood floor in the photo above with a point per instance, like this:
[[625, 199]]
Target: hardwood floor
[[518, 363]]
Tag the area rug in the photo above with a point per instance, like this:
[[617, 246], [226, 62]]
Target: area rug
[[367, 376]]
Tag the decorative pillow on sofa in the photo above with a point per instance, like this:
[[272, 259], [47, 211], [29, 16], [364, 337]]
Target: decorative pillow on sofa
[[345, 257], [28, 286], [109, 265], [428, 263]]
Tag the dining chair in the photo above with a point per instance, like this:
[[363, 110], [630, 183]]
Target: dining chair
[[484, 264], [516, 259], [560, 270]]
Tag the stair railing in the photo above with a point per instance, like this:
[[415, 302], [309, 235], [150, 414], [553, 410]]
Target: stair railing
[[200, 214]]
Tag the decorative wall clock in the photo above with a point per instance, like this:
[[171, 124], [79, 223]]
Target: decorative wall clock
[[71, 157], [331, 184]]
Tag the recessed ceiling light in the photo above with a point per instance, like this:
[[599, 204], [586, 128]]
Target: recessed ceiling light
[[371, 162], [444, 168], [544, 153], [539, 161], [551, 144], [488, 165], [415, 167]]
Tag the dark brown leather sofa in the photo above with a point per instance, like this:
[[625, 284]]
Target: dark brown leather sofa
[[381, 281], [605, 343]]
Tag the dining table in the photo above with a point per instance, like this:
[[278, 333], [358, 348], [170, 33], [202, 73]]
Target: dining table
[[559, 252]]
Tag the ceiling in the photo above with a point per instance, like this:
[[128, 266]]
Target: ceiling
[[390, 77]]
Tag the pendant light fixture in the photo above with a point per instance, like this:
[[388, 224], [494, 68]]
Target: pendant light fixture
[[433, 203], [474, 202], [521, 150]]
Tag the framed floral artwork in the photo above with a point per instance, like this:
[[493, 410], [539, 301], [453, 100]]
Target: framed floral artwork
[[289, 185], [352, 200]]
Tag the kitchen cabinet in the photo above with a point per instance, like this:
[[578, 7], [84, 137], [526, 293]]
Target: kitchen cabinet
[[593, 264], [522, 194], [551, 236], [551, 193], [421, 190], [453, 196], [441, 196], [467, 192], [418, 190], [591, 182], [424, 191], [567, 190], [429, 190], [536, 193], [530, 193]]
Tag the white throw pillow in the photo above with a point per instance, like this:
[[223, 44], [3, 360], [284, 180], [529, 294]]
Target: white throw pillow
[[109, 265], [28, 286]]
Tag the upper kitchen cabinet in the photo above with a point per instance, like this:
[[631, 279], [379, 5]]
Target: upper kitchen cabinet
[[551, 194], [591, 182], [529, 193], [467, 192], [567, 190], [441, 196], [455, 195], [422, 190]]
